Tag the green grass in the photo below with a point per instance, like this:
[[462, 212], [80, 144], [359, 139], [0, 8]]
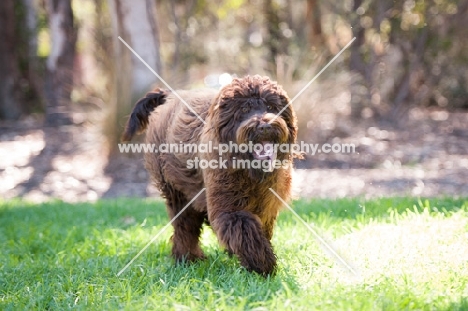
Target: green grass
[[411, 255]]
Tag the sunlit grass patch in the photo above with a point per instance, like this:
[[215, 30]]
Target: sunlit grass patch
[[409, 253]]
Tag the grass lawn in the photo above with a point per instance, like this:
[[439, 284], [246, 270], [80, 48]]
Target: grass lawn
[[410, 254]]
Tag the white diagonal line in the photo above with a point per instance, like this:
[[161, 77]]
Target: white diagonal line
[[317, 236], [162, 80], [323, 69], [313, 79], [159, 233]]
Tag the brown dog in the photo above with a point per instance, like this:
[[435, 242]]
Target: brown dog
[[237, 202]]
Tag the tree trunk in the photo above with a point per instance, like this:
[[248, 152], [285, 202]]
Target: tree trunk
[[177, 38], [134, 22], [59, 80], [359, 87], [313, 18], [275, 41], [20, 80], [33, 72], [9, 73]]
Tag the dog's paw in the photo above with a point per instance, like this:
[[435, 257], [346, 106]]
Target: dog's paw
[[263, 262], [188, 257], [229, 252]]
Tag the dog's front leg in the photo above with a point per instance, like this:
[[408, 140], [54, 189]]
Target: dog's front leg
[[242, 234]]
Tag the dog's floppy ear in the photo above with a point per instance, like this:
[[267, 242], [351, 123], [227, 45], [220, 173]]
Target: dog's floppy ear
[[138, 120]]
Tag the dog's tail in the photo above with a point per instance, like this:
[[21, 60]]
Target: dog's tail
[[138, 120]]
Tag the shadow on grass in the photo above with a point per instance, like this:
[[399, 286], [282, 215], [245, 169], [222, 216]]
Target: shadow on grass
[[32, 231], [61, 241], [219, 273], [116, 213], [461, 305]]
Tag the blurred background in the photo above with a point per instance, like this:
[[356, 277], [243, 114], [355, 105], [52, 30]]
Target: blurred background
[[399, 92]]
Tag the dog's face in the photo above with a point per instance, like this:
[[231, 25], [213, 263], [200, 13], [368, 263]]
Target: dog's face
[[246, 111]]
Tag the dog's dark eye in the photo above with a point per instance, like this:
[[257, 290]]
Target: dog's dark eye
[[245, 109], [269, 107]]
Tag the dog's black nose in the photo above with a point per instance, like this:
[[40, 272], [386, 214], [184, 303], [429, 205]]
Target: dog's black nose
[[264, 128]]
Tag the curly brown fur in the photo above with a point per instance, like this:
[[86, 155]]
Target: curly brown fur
[[237, 202]]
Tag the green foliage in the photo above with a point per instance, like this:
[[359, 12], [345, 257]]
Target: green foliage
[[227, 7], [59, 256]]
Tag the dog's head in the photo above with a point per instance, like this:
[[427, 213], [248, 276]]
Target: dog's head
[[248, 111]]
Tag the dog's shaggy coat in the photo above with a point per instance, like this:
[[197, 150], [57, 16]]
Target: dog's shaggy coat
[[237, 203]]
